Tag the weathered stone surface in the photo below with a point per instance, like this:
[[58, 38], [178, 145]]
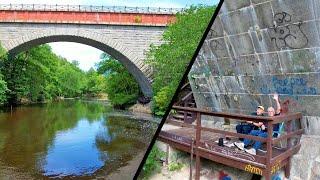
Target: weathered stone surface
[[269, 46], [315, 171], [297, 10], [218, 47], [307, 161], [234, 5], [216, 29], [242, 44], [238, 21]]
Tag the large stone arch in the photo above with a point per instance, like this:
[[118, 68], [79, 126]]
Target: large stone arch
[[131, 60]]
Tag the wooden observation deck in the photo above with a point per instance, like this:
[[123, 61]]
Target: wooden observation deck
[[202, 141]]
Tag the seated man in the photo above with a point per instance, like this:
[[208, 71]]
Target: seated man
[[246, 127], [261, 133]]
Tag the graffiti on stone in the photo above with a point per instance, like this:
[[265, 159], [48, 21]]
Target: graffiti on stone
[[286, 34], [289, 86], [282, 17], [212, 33]]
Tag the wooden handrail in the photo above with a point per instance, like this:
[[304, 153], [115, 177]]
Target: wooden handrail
[[186, 96], [185, 85], [289, 135], [242, 117]]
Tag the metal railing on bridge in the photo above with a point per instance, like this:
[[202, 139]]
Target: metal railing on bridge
[[89, 8]]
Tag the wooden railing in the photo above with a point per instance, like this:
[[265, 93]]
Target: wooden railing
[[270, 163], [88, 8]]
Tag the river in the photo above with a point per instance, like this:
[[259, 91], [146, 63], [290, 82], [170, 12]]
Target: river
[[70, 139]]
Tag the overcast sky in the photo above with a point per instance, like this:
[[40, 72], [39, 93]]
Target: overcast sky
[[86, 55]]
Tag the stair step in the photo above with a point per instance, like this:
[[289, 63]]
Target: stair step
[[177, 116], [182, 112]]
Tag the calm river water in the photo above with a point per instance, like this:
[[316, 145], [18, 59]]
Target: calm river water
[[71, 139]]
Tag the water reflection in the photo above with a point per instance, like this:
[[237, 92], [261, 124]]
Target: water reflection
[[70, 138]]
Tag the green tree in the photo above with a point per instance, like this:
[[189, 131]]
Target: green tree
[[3, 84], [40, 75], [122, 89], [96, 83], [170, 59]]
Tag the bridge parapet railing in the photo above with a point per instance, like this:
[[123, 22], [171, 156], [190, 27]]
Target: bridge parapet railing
[[269, 160], [88, 8]]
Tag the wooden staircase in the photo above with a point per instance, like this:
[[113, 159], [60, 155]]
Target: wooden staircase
[[185, 99]]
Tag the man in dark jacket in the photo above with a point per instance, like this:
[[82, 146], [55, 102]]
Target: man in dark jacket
[[246, 127]]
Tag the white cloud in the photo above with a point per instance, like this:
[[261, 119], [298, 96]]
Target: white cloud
[[86, 55]]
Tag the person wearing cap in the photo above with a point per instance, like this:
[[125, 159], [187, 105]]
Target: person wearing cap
[[248, 126], [262, 132]]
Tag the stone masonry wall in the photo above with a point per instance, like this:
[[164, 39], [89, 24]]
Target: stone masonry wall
[[259, 47], [127, 43]]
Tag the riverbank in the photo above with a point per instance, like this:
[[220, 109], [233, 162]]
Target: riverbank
[[135, 115], [126, 172]]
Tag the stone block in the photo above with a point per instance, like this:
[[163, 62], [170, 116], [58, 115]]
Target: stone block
[[214, 68], [298, 61], [227, 66], [231, 5], [249, 102], [218, 47], [315, 170], [248, 83], [207, 101], [205, 50], [262, 13], [242, 44], [311, 125], [245, 65], [216, 29], [292, 11], [311, 32], [306, 162], [262, 41], [232, 84], [238, 21], [230, 102], [216, 85], [268, 64], [259, 1]]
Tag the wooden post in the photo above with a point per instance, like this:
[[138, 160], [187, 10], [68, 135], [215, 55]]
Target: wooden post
[[268, 174], [289, 145], [168, 154], [185, 114], [191, 159], [198, 137]]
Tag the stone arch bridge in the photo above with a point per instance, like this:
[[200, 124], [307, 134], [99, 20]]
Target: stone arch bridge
[[123, 32]]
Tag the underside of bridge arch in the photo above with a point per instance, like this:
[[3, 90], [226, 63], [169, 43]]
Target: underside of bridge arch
[[137, 73]]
